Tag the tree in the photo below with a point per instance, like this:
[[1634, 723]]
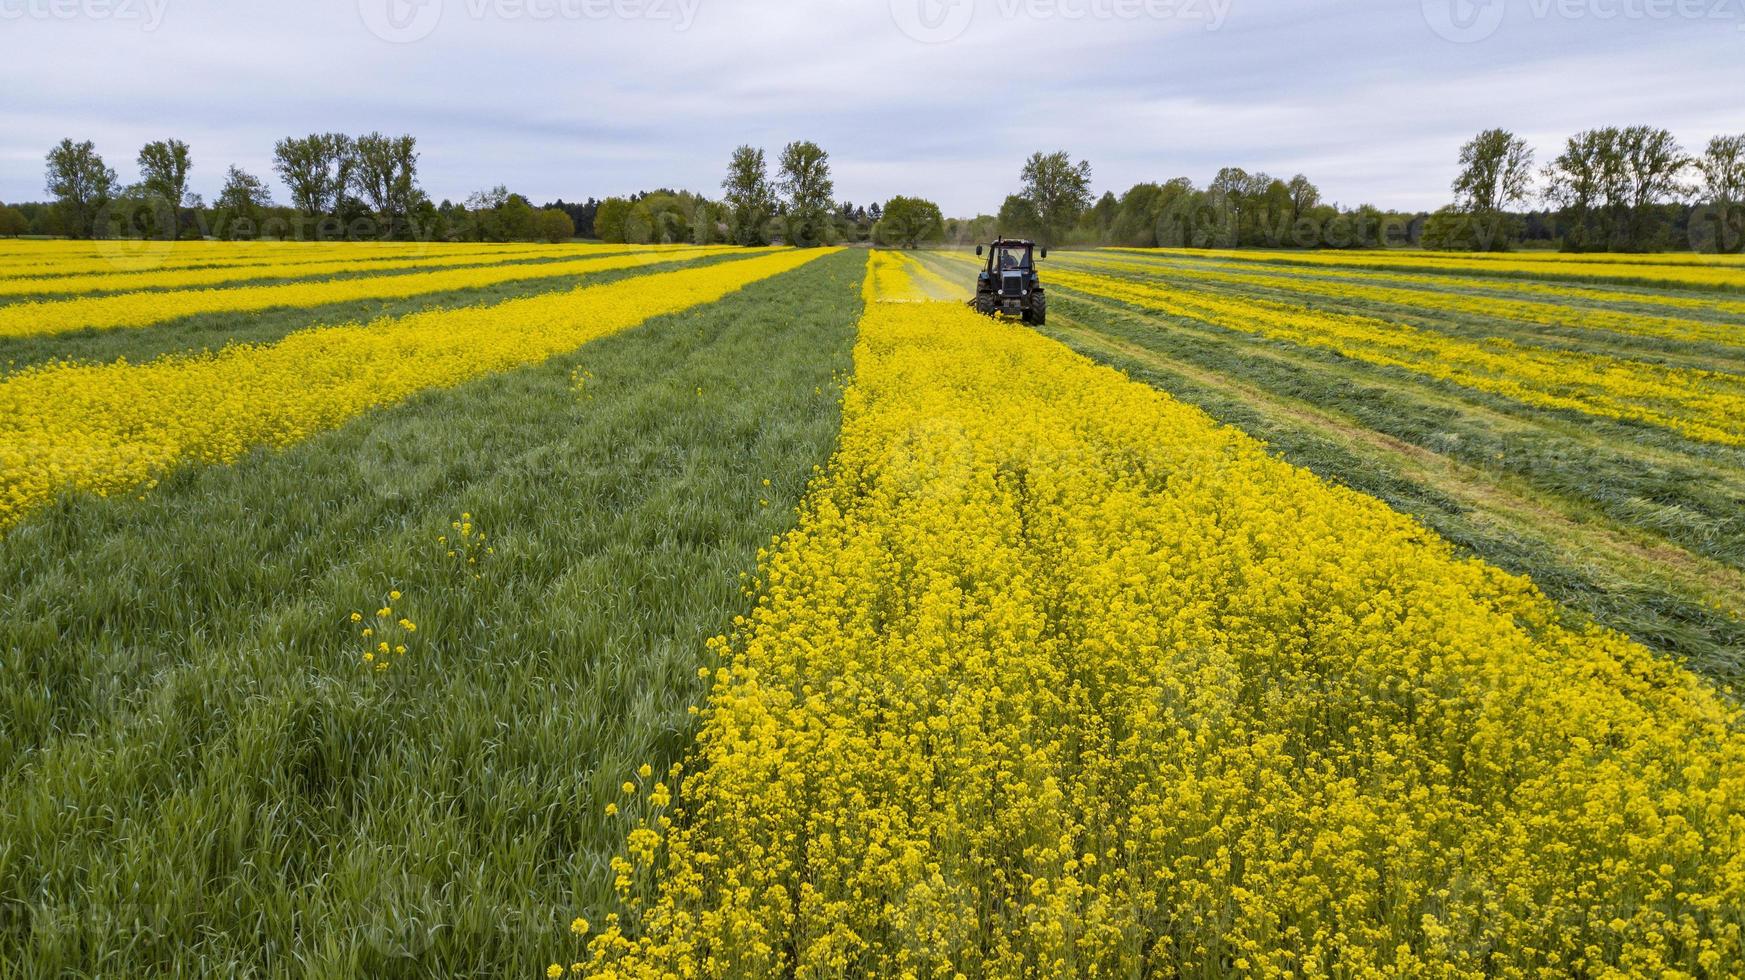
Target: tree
[[1450, 230], [1651, 165], [386, 177], [1723, 169], [707, 222], [750, 199], [609, 219], [81, 184], [317, 169], [1102, 217], [242, 201], [1267, 208], [1304, 197], [515, 219], [163, 173], [1136, 220], [805, 180], [668, 216], [909, 221], [496, 215], [1058, 191], [553, 226], [13, 222], [1018, 218], [1496, 171], [1583, 181]]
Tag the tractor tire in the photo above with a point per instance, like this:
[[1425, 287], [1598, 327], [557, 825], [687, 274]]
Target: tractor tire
[[1039, 309], [984, 304]]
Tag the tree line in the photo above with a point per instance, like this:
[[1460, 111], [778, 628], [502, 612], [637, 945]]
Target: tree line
[[1611, 189], [366, 187], [338, 187], [1056, 205]]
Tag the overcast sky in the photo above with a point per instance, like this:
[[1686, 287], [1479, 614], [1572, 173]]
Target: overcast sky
[[942, 98]]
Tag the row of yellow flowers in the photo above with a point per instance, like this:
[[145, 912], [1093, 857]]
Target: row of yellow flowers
[[1596, 258], [123, 254], [1549, 312], [888, 278], [117, 427], [148, 308], [56, 249], [1057, 677], [1704, 405], [85, 276], [1689, 271]]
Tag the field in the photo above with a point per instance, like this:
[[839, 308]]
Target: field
[[458, 610], [1560, 417]]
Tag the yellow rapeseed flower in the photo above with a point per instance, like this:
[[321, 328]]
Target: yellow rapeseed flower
[[1057, 677], [115, 428]]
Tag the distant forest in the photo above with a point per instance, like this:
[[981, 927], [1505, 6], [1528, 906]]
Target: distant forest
[[1628, 189]]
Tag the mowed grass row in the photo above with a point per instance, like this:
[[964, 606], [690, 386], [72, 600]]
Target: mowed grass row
[[203, 778], [1638, 527]]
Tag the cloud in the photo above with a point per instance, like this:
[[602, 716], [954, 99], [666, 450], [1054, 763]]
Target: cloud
[[593, 97]]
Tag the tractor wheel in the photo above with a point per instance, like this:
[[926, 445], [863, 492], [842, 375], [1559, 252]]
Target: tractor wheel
[[984, 304], [1039, 309]]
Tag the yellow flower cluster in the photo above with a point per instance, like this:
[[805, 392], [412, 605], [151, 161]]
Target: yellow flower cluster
[[146, 308], [1704, 405], [1671, 270], [888, 279], [99, 280], [1057, 677], [465, 546], [386, 637], [114, 427], [897, 277], [1551, 312], [40, 258]]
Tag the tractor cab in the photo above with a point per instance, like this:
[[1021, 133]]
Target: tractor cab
[[1009, 284]]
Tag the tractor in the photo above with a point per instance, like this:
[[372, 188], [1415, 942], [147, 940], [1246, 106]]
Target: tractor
[[1009, 285]]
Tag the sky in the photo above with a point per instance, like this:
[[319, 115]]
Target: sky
[[938, 98]]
